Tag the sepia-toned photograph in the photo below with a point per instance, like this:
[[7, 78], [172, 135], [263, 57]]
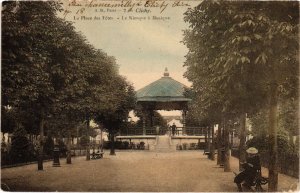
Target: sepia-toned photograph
[[150, 96]]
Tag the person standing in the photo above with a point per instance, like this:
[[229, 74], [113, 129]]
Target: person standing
[[157, 130], [173, 129]]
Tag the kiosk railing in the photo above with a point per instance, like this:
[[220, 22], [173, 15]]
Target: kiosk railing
[[192, 131]]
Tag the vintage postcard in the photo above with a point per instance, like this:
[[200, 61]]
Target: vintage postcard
[[149, 96]]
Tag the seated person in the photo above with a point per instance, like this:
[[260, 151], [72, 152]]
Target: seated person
[[252, 167]]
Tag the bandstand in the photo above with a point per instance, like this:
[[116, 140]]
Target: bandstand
[[163, 94]]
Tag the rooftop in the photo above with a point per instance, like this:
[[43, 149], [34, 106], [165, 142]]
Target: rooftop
[[165, 89]]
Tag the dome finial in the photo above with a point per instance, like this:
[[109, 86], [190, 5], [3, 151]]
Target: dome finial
[[166, 73]]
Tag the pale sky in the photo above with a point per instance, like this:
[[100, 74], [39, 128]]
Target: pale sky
[[142, 48]]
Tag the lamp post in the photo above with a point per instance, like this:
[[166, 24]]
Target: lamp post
[[56, 152]]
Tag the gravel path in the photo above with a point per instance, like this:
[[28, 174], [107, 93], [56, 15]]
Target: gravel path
[[141, 171]]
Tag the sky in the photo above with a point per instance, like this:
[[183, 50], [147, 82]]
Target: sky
[[142, 48]]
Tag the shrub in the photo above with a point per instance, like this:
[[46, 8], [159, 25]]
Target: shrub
[[142, 145], [48, 146], [19, 151], [261, 143], [118, 145], [201, 145], [84, 140], [288, 159], [126, 144], [62, 147], [192, 146], [132, 145], [184, 146], [4, 153], [106, 145]]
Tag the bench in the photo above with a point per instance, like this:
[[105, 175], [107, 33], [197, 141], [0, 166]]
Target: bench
[[97, 155], [207, 152]]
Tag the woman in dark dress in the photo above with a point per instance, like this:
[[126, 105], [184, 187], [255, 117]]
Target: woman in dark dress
[[252, 167]]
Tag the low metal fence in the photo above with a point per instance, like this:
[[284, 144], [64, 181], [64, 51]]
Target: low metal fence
[[192, 131]]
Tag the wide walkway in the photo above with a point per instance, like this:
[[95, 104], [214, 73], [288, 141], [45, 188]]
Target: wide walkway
[[142, 171]]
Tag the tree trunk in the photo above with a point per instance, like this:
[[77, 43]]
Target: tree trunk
[[231, 139], [219, 146], [77, 136], [112, 142], [3, 137], [101, 138], [69, 148], [41, 142], [291, 139], [205, 140], [227, 149], [242, 147], [208, 143], [273, 172], [88, 137], [212, 149]]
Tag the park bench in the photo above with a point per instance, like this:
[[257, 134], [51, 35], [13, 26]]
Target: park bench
[[207, 152], [97, 155]]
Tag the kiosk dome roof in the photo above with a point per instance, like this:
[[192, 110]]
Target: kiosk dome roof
[[163, 89]]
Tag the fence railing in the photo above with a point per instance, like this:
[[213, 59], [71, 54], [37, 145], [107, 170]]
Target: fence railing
[[196, 131], [288, 163], [138, 131], [193, 131]]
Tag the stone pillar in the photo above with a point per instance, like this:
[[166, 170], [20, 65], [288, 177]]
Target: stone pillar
[[208, 142], [212, 154], [101, 140], [56, 152], [219, 146], [183, 122], [205, 138]]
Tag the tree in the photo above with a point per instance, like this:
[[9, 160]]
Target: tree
[[242, 47], [26, 66], [287, 122], [289, 117], [123, 99], [62, 124], [51, 70], [96, 90], [8, 119], [152, 118]]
